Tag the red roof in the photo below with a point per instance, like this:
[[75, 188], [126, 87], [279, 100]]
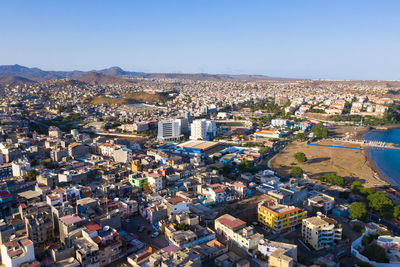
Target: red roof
[[231, 221], [267, 132], [237, 184], [218, 190], [70, 219], [175, 200], [96, 239], [92, 226]]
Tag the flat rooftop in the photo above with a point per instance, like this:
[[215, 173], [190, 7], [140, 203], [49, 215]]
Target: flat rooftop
[[280, 210], [203, 145]]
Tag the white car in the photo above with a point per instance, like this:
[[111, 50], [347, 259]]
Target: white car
[[155, 234]]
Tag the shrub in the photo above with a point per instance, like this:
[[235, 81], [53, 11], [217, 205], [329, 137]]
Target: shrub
[[296, 171], [300, 157], [357, 211]]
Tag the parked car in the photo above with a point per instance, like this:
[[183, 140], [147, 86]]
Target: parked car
[[155, 234], [140, 229]]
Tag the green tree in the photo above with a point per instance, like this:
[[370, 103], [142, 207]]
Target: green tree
[[296, 171], [301, 137], [332, 178], [182, 226], [387, 212], [366, 191], [378, 201], [300, 157], [31, 175], [357, 211], [319, 131], [245, 166], [396, 212], [367, 239], [375, 252], [147, 187], [355, 187]]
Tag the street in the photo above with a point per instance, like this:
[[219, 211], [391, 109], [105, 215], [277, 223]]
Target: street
[[132, 227]]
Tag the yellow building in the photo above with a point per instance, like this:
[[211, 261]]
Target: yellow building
[[280, 217], [136, 166]]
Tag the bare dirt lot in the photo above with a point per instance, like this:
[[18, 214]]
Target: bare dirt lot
[[348, 163]]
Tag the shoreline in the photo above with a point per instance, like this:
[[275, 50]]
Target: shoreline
[[371, 164]]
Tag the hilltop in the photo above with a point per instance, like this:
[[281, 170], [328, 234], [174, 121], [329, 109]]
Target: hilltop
[[14, 80], [37, 74], [102, 79]]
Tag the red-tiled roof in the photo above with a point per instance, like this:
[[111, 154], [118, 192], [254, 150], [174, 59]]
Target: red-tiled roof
[[92, 226], [175, 200], [70, 219], [231, 221]]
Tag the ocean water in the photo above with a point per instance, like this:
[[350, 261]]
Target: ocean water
[[386, 160]]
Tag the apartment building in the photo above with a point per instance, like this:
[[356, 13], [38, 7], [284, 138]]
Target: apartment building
[[236, 230], [170, 130], [39, 228], [320, 231], [321, 202], [203, 130], [67, 224], [17, 252], [279, 254], [156, 181], [280, 217], [123, 155]]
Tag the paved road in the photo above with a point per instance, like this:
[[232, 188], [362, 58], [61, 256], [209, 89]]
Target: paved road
[[392, 227], [157, 243]]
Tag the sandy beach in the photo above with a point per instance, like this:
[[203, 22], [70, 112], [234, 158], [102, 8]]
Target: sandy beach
[[371, 164], [349, 163]]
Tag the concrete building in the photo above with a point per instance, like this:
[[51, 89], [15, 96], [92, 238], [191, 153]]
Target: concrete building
[[123, 155], [203, 130], [321, 202], [280, 217], [170, 130], [176, 205], [17, 252], [67, 224], [280, 123], [39, 228], [268, 134], [320, 231], [20, 168], [279, 254], [156, 181], [236, 230]]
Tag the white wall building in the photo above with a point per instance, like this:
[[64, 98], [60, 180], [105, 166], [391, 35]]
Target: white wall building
[[17, 252], [20, 168], [156, 181], [170, 130], [203, 130]]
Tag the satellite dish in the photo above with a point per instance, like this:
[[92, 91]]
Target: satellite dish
[[71, 260], [106, 228]]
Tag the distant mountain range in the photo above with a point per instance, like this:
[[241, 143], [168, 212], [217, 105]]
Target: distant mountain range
[[17, 74]]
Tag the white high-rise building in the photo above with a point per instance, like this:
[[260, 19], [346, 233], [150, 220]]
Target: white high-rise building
[[203, 130], [170, 130]]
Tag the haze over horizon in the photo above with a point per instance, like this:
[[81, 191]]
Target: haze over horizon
[[312, 39]]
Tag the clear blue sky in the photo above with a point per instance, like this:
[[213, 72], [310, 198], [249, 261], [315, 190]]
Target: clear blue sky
[[307, 39]]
